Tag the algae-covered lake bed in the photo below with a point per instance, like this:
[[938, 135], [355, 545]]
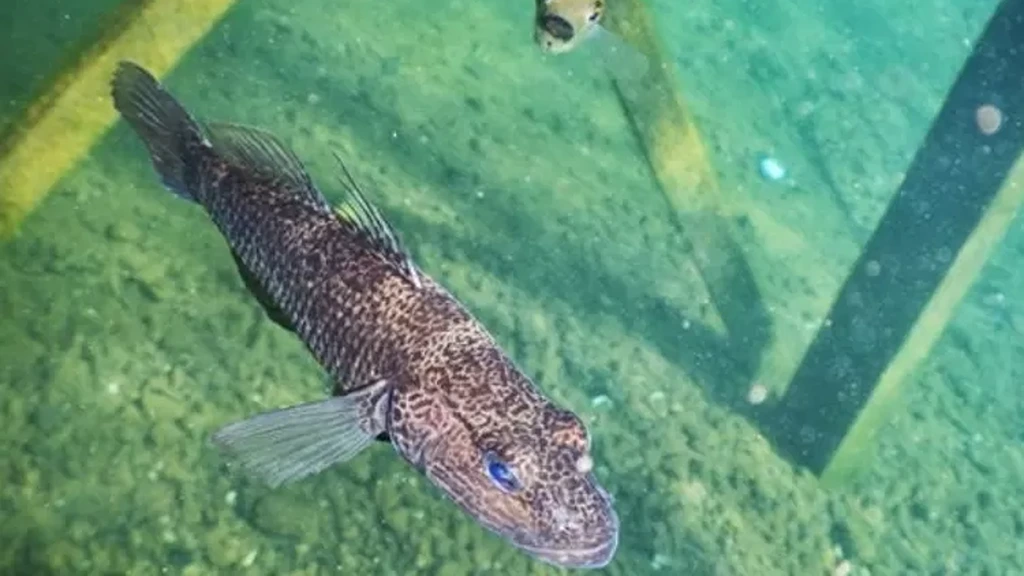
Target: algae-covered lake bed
[[127, 337]]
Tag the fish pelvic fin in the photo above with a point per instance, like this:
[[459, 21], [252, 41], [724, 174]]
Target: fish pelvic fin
[[159, 120], [357, 211]]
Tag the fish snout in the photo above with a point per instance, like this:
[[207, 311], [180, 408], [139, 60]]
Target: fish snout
[[594, 548], [578, 537]]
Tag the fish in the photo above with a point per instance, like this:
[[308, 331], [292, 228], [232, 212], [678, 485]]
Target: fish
[[410, 365], [561, 25]]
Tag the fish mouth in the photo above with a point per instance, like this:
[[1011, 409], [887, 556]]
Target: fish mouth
[[593, 554], [597, 556]]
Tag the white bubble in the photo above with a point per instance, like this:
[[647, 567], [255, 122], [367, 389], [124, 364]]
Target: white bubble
[[249, 559], [757, 394], [585, 464], [989, 119], [771, 169], [873, 268]]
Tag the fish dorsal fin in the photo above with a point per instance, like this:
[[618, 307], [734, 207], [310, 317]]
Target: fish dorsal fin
[[357, 211], [261, 151]]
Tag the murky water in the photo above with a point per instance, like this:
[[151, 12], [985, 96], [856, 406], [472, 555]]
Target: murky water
[[517, 180]]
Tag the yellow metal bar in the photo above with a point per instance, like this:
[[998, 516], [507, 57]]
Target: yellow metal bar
[[673, 144], [679, 162], [858, 443], [62, 125]]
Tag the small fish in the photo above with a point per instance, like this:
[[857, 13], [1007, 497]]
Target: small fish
[[560, 25], [410, 365]]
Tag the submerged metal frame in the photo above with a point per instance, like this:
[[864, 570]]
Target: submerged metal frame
[[959, 196], [954, 205]]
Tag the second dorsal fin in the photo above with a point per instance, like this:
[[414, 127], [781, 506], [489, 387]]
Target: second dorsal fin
[[357, 211]]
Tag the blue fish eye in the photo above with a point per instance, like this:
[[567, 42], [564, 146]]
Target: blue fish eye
[[500, 473]]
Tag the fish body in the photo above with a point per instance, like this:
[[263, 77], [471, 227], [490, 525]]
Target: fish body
[[410, 364]]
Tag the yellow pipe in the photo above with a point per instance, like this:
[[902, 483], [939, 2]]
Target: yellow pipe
[[61, 126]]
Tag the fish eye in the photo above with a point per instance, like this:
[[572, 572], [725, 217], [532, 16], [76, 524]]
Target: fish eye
[[558, 27], [500, 473], [594, 15]]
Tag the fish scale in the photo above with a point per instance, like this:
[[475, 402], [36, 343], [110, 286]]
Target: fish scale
[[305, 305], [239, 211]]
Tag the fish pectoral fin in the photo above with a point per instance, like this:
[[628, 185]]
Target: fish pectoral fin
[[282, 446], [357, 211]]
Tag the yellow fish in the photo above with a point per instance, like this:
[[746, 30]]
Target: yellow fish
[[560, 25]]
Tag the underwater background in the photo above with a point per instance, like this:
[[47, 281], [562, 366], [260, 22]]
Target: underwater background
[[513, 177]]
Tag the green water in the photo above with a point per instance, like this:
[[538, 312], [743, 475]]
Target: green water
[[37, 39], [127, 338]]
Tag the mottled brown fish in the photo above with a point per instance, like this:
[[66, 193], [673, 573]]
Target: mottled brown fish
[[411, 365]]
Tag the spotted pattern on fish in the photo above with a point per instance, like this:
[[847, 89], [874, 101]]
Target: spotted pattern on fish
[[453, 401]]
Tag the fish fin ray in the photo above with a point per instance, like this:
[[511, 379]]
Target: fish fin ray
[[159, 120], [356, 210], [287, 445], [264, 153]]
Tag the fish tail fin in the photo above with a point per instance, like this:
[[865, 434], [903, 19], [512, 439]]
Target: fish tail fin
[[159, 120]]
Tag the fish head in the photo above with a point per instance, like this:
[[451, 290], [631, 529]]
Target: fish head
[[528, 477], [560, 25]]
